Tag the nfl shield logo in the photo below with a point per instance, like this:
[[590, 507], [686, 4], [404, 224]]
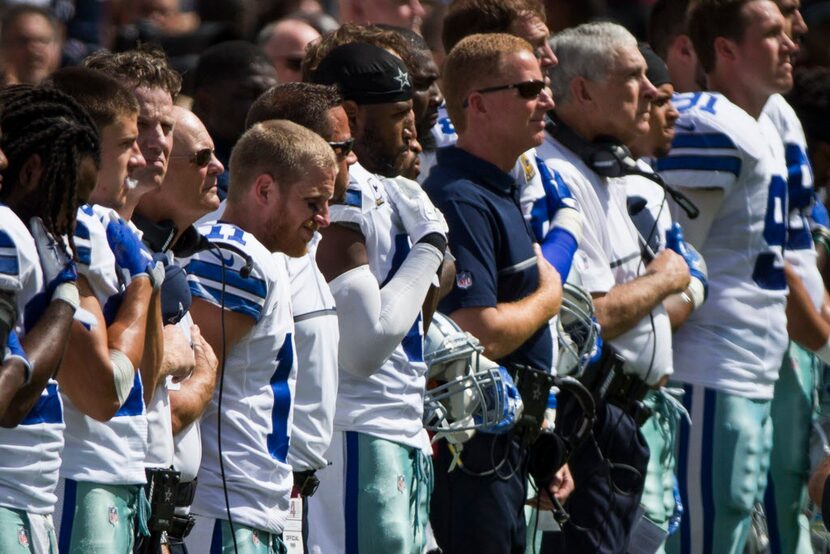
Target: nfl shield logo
[[464, 279], [113, 515], [22, 537], [255, 538], [401, 483]]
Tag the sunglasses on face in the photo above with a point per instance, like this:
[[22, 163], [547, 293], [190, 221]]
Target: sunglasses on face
[[526, 89], [342, 148], [200, 158]]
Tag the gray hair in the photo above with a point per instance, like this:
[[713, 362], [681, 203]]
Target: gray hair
[[586, 51]]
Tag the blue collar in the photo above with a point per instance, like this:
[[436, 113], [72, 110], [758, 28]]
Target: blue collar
[[473, 168]]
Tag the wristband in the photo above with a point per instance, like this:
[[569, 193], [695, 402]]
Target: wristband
[[437, 240], [68, 292], [123, 374], [695, 293]]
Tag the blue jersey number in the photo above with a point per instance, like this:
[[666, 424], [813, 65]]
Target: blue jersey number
[[278, 437], [769, 266], [686, 102], [216, 232]]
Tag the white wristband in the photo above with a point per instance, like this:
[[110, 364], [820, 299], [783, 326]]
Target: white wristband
[[68, 292], [694, 293], [123, 374], [823, 353]]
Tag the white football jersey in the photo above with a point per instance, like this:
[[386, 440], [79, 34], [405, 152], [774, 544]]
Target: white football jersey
[[609, 254], [110, 453], [736, 340], [800, 251], [389, 404], [30, 454], [317, 337], [258, 388]]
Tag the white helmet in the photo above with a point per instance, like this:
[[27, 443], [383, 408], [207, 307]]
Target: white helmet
[[577, 331], [466, 392]]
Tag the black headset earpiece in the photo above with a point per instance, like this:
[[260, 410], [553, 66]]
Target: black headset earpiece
[[245, 270], [605, 156], [608, 157]]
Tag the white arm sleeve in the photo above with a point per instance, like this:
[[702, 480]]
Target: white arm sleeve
[[374, 321]]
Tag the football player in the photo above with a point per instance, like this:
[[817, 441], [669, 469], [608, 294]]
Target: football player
[[729, 159], [282, 177], [53, 153]]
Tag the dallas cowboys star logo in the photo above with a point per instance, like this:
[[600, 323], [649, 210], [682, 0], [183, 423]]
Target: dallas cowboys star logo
[[402, 78]]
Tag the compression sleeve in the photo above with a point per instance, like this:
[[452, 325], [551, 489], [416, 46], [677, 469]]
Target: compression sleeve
[[374, 321]]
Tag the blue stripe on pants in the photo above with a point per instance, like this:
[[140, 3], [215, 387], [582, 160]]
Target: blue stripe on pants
[[351, 496], [67, 518]]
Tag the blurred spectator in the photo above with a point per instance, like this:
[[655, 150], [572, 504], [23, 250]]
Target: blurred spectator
[[816, 47], [562, 14], [227, 80], [426, 96], [431, 31], [400, 13], [238, 17], [668, 35], [810, 98], [284, 43], [30, 45]]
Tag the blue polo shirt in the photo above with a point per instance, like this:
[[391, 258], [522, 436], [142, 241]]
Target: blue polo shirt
[[491, 241]]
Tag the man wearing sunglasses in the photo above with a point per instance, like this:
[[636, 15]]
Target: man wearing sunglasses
[[165, 217], [506, 292]]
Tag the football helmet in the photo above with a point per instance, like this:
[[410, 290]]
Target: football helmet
[[466, 392], [577, 330]]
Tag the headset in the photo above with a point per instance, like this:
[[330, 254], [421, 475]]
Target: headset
[[608, 157]]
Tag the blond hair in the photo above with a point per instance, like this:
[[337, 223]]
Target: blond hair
[[476, 62], [280, 148]]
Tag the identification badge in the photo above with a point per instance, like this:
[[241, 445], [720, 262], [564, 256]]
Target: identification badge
[[292, 534]]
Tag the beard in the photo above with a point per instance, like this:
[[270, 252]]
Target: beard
[[376, 154]]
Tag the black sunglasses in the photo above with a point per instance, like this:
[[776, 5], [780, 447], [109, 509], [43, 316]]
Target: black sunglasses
[[526, 89], [342, 148], [200, 158]]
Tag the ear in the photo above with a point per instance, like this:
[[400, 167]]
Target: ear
[[683, 46], [264, 190], [726, 49], [30, 173], [351, 108], [581, 91], [475, 104]]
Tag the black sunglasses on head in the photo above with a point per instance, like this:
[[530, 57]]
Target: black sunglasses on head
[[200, 158], [342, 148], [526, 89]]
